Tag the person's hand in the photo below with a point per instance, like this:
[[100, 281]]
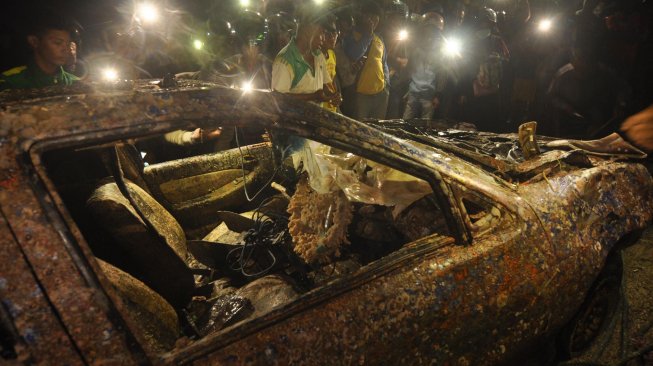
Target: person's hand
[[324, 95], [212, 134], [199, 135], [335, 98], [639, 128], [436, 103], [358, 64]]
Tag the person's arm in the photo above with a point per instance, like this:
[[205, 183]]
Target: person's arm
[[329, 90], [180, 137], [323, 65], [503, 50], [186, 138], [317, 97], [639, 128], [557, 99], [386, 70], [344, 69]]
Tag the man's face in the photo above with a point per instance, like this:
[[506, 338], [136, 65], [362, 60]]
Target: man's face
[[250, 50], [345, 25], [330, 39], [52, 47], [317, 37], [72, 54], [369, 22]]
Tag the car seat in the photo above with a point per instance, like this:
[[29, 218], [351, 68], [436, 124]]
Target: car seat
[[149, 243]]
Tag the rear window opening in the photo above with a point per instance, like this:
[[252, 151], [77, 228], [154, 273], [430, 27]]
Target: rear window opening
[[195, 240]]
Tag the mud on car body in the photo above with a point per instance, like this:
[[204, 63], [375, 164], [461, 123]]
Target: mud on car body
[[101, 261]]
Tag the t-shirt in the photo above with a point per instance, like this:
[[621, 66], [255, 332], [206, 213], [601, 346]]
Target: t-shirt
[[31, 76], [372, 78], [292, 74], [331, 69]]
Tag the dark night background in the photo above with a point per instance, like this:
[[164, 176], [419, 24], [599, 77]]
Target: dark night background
[[92, 15], [96, 16]]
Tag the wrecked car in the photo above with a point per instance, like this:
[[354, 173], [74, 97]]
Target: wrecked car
[[331, 241]]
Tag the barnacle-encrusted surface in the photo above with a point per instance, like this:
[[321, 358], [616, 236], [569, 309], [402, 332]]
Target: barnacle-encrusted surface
[[432, 302], [318, 223]]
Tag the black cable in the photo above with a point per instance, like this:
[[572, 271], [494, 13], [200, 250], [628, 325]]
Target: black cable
[[242, 167], [262, 235]]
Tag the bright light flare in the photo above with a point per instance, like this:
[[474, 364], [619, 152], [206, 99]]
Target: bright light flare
[[244, 3], [109, 74], [452, 47], [148, 13], [198, 45], [545, 25], [318, 2], [247, 87], [403, 35]]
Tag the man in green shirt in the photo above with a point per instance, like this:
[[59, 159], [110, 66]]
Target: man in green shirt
[[51, 46]]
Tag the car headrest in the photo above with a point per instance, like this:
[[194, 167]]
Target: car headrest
[[131, 164]]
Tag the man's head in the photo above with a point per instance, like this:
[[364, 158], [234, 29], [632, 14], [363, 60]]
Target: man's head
[[396, 15], [309, 30], [370, 15], [433, 19], [251, 31], [71, 63], [345, 22], [330, 33], [456, 14], [50, 40], [282, 27]]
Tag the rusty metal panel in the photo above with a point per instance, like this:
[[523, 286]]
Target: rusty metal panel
[[81, 307], [42, 336]]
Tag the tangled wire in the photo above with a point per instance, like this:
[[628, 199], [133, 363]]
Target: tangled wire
[[270, 230]]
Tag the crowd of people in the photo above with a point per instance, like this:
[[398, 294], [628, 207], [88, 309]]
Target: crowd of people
[[579, 68]]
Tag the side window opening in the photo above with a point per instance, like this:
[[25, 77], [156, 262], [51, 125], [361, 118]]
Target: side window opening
[[481, 215], [475, 211], [190, 255]]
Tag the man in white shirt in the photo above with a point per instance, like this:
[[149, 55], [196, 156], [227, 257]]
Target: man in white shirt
[[300, 68]]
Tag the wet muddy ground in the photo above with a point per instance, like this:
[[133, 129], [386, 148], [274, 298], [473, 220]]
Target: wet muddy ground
[[628, 337]]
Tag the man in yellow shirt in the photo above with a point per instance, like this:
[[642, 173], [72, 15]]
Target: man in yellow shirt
[[330, 38], [373, 76]]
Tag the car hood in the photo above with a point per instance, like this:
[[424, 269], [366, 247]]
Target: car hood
[[501, 153]]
